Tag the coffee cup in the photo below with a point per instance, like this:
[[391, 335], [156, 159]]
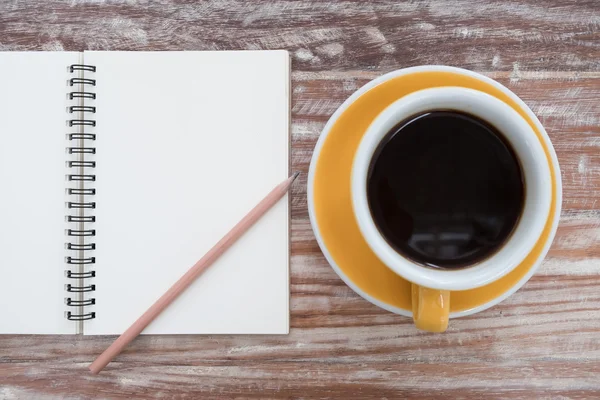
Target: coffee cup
[[432, 284]]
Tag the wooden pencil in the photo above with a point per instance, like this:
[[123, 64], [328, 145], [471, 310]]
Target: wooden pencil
[[163, 302]]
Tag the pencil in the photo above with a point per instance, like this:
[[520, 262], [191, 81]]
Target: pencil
[[213, 254]]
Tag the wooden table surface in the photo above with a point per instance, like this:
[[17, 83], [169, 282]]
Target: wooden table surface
[[543, 342]]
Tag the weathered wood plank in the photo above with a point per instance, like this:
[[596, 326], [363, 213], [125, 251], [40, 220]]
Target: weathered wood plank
[[323, 35]]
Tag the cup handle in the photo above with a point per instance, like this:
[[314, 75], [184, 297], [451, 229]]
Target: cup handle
[[430, 308]]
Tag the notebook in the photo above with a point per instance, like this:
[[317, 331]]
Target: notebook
[[119, 170]]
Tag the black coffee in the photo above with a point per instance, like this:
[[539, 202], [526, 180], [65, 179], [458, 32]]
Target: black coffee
[[445, 189]]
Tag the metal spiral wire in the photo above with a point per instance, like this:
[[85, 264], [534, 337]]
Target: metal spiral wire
[[80, 205]]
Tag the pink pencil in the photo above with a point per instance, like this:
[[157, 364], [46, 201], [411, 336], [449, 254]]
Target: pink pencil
[[142, 322]]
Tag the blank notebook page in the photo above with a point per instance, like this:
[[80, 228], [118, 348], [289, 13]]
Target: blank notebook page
[[188, 143], [33, 101]]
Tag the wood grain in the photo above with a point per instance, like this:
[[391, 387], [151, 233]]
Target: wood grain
[[543, 342]]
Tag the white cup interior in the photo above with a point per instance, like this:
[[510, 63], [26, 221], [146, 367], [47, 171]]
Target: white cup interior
[[534, 164]]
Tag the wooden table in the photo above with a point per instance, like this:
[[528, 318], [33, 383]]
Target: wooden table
[[543, 342]]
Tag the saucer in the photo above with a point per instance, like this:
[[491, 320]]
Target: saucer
[[330, 204]]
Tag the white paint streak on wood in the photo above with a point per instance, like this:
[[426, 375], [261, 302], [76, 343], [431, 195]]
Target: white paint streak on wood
[[515, 75], [375, 36], [574, 113], [350, 85], [496, 61], [331, 49], [307, 130], [582, 168], [424, 26], [468, 33], [53, 46], [304, 55]]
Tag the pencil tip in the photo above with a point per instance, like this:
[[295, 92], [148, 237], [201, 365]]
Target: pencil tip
[[295, 175]]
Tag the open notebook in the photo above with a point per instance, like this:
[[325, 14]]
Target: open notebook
[[119, 170]]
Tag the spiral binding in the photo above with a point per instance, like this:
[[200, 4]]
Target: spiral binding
[[80, 204], [80, 317]]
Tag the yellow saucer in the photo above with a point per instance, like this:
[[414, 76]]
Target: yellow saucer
[[329, 197]]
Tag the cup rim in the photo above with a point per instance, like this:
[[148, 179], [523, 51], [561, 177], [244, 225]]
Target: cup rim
[[529, 152]]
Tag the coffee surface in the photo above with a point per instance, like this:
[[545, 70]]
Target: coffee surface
[[445, 189]]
